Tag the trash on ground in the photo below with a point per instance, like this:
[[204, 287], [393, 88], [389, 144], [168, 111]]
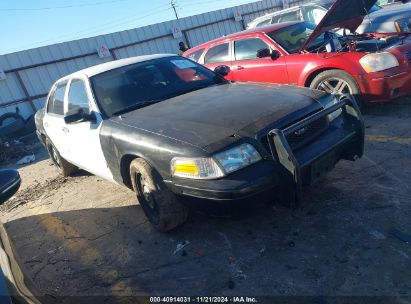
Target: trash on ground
[[181, 246], [26, 160]]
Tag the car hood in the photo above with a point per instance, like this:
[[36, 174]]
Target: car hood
[[205, 117], [347, 14]]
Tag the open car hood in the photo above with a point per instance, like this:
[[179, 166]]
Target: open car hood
[[347, 14]]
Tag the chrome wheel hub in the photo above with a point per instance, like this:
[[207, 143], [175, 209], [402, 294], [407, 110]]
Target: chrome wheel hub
[[335, 86]]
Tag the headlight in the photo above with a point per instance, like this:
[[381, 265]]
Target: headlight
[[378, 62], [217, 166], [196, 168], [238, 157], [403, 25]]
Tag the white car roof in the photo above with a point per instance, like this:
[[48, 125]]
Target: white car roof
[[107, 66], [280, 12]]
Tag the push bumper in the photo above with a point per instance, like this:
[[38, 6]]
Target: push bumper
[[386, 86], [286, 169], [344, 139]]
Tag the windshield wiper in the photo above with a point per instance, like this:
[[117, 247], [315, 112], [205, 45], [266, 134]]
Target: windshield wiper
[[136, 106]]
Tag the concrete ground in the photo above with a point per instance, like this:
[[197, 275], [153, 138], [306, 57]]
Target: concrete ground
[[85, 236]]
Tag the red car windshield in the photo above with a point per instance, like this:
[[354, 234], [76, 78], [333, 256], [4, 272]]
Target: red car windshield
[[293, 37]]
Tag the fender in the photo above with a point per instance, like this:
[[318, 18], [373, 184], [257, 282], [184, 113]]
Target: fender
[[118, 141], [313, 66]]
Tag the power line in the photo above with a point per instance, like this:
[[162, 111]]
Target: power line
[[62, 7], [111, 24]]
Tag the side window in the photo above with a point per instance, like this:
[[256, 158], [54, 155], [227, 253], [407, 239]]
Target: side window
[[196, 55], [218, 53], [291, 16], [77, 96], [247, 48], [56, 103]]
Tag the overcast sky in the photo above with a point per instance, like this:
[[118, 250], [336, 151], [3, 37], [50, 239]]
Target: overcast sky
[[28, 24]]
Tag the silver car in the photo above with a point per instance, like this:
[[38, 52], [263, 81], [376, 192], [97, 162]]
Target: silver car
[[388, 16]]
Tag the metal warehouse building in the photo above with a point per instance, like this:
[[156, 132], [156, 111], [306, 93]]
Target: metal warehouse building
[[26, 76]]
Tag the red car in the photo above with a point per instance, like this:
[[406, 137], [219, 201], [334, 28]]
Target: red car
[[374, 67]]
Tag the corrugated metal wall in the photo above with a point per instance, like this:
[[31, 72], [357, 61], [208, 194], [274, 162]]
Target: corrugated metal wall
[[31, 73]]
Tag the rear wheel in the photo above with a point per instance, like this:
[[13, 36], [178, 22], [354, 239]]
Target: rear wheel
[[158, 203], [337, 82], [65, 168]]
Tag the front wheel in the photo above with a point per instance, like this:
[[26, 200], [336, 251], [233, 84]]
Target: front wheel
[[337, 82], [158, 203]]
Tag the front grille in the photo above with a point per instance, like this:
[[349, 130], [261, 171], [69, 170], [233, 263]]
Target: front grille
[[408, 55], [303, 136], [306, 134]]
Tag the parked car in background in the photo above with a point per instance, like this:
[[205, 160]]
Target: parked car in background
[[170, 129], [373, 67], [386, 19]]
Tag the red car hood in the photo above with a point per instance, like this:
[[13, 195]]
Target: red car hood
[[347, 14]]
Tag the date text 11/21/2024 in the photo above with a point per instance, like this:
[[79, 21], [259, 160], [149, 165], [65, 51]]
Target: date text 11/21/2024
[[238, 299]]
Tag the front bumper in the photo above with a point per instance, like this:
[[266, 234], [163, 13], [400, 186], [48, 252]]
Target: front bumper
[[285, 169], [386, 86]]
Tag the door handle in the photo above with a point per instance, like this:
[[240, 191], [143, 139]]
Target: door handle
[[239, 67], [65, 130]]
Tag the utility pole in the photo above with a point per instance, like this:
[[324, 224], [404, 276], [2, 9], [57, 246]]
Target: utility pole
[[173, 6]]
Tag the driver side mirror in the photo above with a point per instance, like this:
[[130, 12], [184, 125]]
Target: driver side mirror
[[222, 70], [264, 53], [9, 184], [275, 55], [79, 115]]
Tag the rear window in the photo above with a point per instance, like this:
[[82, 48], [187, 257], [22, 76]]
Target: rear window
[[196, 55], [218, 53]]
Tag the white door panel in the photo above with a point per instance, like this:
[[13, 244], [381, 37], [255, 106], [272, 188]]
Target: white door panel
[[84, 137], [85, 148]]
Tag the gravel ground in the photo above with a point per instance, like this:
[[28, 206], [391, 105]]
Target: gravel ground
[[85, 236]]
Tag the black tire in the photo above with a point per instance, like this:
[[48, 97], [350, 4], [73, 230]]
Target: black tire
[[65, 168], [13, 124], [337, 82], [158, 203]]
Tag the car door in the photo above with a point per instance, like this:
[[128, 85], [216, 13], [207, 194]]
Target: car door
[[246, 65], [84, 136], [53, 120], [219, 54]]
